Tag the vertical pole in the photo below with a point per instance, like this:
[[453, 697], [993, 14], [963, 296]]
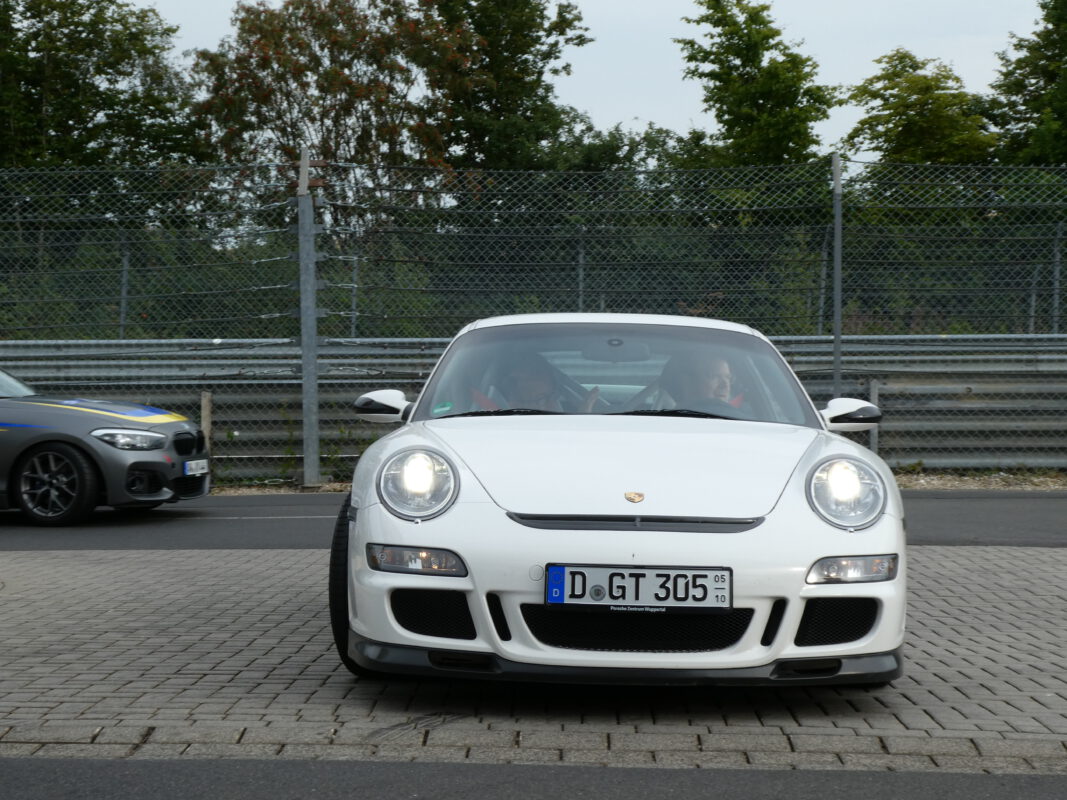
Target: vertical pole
[[837, 273], [124, 288], [1032, 325], [207, 412], [581, 269], [309, 334], [355, 306], [873, 446], [820, 320], [1056, 264]]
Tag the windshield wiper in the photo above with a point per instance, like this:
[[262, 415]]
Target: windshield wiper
[[670, 412], [501, 412]]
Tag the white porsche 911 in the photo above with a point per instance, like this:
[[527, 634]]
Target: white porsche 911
[[619, 499]]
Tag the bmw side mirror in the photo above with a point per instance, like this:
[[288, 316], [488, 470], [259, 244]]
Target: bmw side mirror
[[384, 405], [847, 415]]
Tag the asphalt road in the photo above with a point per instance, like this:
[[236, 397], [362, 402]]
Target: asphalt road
[[304, 521], [47, 779]]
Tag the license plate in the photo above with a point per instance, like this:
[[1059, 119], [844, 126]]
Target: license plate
[[638, 588], [198, 467]]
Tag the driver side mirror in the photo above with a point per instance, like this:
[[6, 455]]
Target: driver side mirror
[[384, 405], [845, 415]]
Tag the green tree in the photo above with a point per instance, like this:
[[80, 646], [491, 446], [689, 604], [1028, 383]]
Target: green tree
[[498, 108], [89, 82], [762, 92], [338, 76], [918, 112], [1032, 92], [387, 82]]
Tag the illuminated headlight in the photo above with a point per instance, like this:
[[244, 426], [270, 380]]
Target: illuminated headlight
[[853, 569], [847, 493], [426, 561], [131, 440], [417, 484]]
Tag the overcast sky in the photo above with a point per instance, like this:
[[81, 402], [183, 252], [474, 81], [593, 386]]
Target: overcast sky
[[631, 74]]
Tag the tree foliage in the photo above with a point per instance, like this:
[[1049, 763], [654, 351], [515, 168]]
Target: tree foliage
[[337, 76], [762, 92], [89, 82], [500, 110], [387, 82], [1032, 92], [918, 112]]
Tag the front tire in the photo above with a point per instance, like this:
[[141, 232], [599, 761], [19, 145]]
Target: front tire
[[338, 591], [56, 484]]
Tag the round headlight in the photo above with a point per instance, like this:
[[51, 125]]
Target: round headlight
[[417, 484], [847, 493]]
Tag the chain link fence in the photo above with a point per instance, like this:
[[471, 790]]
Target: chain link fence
[[936, 290]]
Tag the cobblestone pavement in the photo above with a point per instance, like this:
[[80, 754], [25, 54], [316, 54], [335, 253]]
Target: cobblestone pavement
[[214, 654]]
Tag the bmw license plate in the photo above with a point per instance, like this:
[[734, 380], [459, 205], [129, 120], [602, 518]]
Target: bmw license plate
[[639, 588], [197, 467]]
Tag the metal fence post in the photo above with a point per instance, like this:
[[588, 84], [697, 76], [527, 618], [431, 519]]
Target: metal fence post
[[124, 286], [1056, 265], [309, 334], [838, 227], [581, 268]]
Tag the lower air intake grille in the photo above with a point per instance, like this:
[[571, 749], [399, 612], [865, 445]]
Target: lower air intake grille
[[191, 486], [636, 632], [836, 620], [500, 621], [433, 612]]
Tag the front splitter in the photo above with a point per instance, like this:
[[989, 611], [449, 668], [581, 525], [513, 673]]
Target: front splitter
[[875, 668]]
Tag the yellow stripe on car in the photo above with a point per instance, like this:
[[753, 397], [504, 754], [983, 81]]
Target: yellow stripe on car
[[148, 418]]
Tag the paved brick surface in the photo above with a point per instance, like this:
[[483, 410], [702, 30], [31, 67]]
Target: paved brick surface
[[227, 654]]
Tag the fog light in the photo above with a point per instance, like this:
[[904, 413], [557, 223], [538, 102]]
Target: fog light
[[423, 560], [854, 569]]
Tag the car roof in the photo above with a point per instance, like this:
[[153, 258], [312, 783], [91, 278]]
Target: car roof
[[611, 319]]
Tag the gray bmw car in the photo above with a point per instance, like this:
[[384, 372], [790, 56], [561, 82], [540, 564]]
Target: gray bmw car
[[61, 458]]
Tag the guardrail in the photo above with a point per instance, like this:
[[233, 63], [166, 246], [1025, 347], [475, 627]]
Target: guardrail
[[949, 401]]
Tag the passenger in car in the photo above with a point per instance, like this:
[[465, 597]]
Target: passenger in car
[[709, 380], [691, 382]]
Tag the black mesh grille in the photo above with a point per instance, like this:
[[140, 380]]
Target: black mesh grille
[[433, 612], [836, 620], [637, 632]]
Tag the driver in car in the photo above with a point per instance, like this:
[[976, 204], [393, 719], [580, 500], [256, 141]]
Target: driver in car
[[531, 382]]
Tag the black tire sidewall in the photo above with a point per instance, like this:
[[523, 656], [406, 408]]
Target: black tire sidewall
[[338, 589]]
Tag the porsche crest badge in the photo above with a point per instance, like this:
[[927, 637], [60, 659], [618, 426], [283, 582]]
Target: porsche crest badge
[[634, 497]]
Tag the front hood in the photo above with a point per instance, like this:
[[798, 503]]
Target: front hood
[[104, 412], [584, 465]]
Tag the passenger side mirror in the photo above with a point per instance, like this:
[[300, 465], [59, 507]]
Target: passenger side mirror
[[384, 405], [847, 415]]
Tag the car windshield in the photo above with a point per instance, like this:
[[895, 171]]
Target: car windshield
[[606, 368], [12, 387]]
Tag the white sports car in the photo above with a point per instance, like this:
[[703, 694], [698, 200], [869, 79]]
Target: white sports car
[[619, 499]]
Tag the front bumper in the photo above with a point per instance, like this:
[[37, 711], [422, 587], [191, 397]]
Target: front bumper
[[494, 621], [139, 478], [401, 659]]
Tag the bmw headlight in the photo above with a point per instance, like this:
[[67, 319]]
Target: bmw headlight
[[847, 493], [131, 440], [417, 484]]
